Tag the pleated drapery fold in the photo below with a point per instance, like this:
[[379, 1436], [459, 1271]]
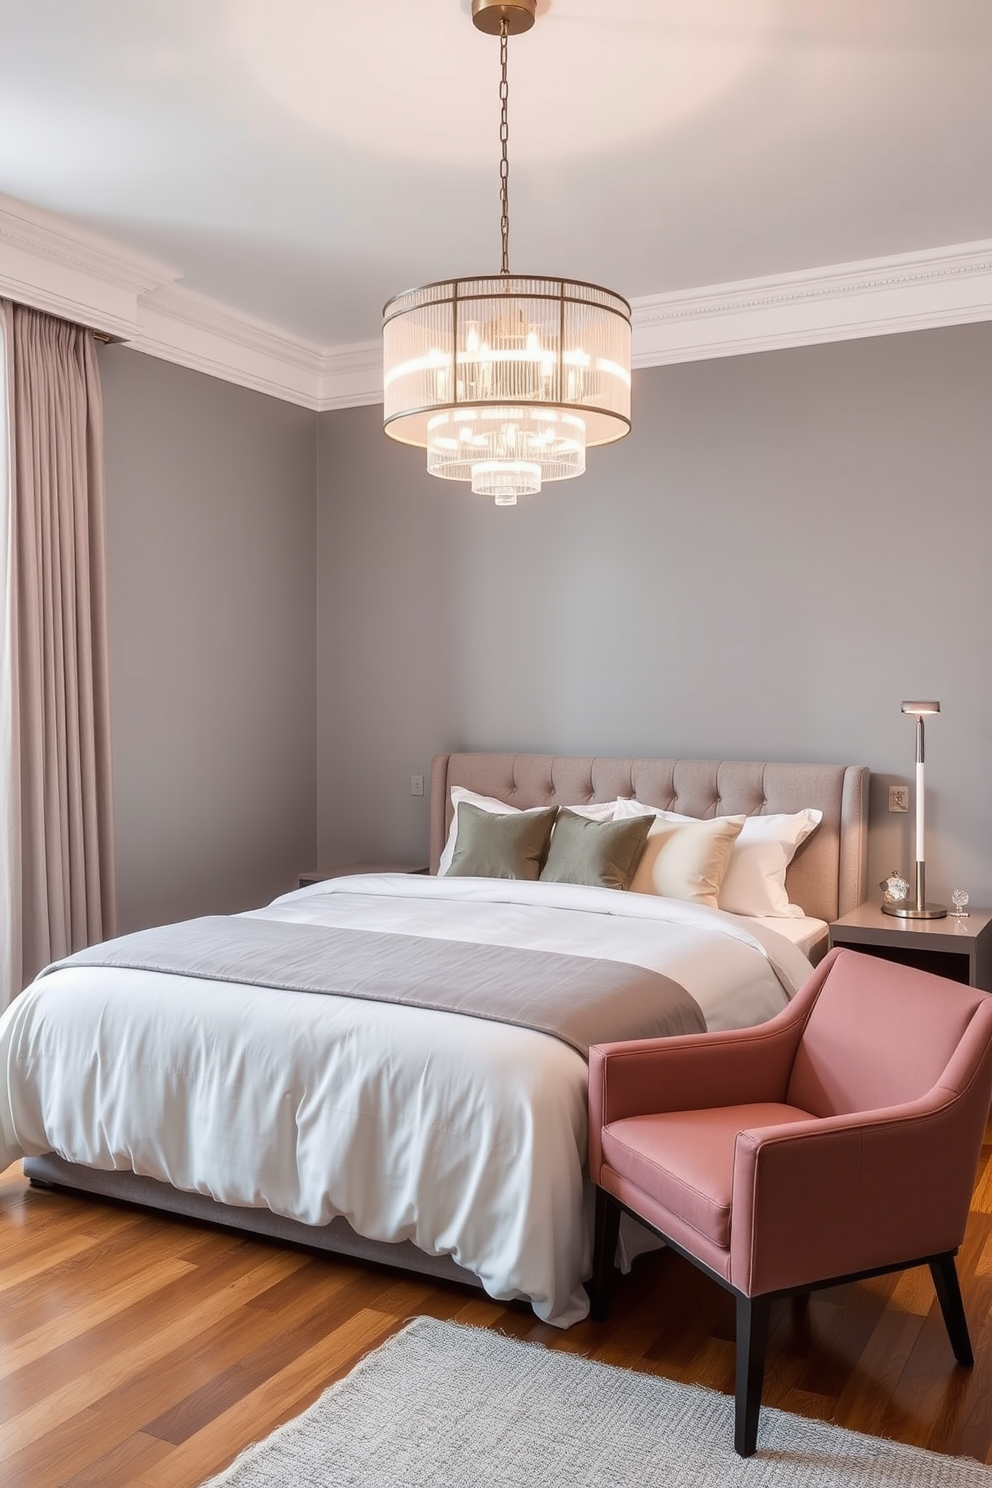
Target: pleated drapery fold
[[58, 879]]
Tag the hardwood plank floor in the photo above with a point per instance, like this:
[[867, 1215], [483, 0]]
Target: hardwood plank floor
[[142, 1352]]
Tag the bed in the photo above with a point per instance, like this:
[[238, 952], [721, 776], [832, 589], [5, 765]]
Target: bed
[[414, 1136]]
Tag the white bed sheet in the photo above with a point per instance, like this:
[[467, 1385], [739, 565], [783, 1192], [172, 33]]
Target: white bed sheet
[[466, 1136], [807, 934]]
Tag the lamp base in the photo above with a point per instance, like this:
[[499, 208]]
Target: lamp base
[[916, 912]]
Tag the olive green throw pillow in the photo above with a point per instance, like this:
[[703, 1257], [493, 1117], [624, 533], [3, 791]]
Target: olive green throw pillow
[[604, 854], [491, 846]]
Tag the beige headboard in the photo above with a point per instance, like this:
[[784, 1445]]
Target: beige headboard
[[827, 875]]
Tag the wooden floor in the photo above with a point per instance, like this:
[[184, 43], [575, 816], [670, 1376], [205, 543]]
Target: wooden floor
[[139, 1351]]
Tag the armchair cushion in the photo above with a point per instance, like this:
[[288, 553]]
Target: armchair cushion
[[685, 1160]]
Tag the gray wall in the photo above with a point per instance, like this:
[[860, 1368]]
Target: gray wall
[[211, 525], [787, 546]]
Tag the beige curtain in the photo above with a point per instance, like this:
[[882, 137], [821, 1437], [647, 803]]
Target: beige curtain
[[59, 867]]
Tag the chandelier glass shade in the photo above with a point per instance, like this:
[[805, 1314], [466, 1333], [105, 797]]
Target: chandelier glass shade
[[506, 379]]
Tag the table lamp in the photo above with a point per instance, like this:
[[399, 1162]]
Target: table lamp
[[917, 908]]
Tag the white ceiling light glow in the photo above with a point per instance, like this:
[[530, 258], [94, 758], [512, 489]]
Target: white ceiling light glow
[[506, 379], [652, 65]]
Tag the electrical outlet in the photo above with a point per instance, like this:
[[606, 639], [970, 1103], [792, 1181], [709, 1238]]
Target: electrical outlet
[[898, 797], [417, 785]]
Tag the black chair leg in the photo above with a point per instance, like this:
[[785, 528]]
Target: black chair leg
[[607, 1233], [945, 1280], [752, 1337]]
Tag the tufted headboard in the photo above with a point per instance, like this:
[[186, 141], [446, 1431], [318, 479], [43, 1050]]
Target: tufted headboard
[[827, 875]]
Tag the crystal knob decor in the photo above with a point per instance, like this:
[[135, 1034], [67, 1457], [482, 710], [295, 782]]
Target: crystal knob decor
[[959, 898], [895, 888]]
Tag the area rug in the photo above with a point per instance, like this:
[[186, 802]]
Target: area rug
[[445, 1406]]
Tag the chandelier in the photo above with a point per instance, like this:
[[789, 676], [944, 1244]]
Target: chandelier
[[506, 379]]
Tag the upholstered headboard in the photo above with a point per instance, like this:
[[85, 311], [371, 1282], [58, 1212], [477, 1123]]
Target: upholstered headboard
[[827, 875]]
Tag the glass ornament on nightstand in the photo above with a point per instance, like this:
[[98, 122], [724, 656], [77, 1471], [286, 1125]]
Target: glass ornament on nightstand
[[895, 888], [959, 898]]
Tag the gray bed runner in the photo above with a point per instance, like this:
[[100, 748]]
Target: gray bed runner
[[574, 998]]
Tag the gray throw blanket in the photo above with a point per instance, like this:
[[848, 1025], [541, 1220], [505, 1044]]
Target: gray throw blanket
[[573, 998]]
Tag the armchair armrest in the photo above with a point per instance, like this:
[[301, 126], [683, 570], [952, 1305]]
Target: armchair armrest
[[689, 1072], [694, 1070], [832, 1197]]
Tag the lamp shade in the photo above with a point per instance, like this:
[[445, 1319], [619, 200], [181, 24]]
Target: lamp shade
[[506, 380]]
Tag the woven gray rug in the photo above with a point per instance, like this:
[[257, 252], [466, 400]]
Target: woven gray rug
[[444, 1406]]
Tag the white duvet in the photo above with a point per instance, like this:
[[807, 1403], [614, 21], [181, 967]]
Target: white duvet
[[467, 1137]]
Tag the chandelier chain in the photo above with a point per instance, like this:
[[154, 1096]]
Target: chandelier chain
[[504, 134]]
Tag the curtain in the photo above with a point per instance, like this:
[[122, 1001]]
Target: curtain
[[57, 874], [10, 816]]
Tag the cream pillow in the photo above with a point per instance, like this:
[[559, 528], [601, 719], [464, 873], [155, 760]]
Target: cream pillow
[[754, 881], [683, 859], [598, 811]]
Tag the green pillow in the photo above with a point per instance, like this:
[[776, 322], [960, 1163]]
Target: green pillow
[[604, 854], [500, 846]]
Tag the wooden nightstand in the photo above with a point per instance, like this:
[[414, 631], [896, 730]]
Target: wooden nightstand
[[958, 949], [344, 869]]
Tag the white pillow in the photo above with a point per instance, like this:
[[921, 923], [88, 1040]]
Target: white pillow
[[598, 811], [595, 811], [754, 881]]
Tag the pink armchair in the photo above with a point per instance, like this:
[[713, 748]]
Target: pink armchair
[[837, 1141]]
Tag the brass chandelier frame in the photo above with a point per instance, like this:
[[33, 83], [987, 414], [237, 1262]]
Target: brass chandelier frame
[[562, 297]]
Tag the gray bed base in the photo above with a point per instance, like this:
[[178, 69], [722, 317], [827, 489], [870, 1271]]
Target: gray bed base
[[827, 876], [338, 1237]]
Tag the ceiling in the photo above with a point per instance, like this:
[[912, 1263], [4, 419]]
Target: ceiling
[[303, 160]]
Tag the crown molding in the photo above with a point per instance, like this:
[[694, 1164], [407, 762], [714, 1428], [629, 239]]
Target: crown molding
[[874, 297], [351, 376], [57, 266], [179, 325], [60, 267], [54, 265]]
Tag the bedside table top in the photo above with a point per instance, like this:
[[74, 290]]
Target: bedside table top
[[869, 924], [344, 870]]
